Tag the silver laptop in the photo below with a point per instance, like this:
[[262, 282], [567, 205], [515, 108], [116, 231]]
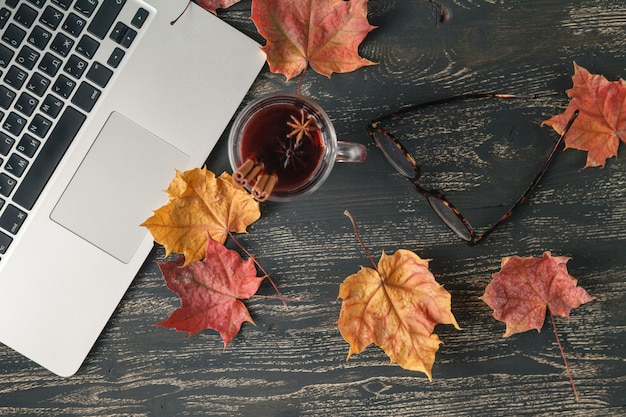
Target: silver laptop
[[100, 102]]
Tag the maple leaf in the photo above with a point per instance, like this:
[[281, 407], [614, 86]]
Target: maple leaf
[[211, 291], [396, 307], [213, 5], [524, 287], [323, 33], [601, 123], [201, 204]]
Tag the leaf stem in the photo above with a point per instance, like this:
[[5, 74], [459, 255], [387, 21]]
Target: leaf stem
[[266, 274], [358, 236], [558, 342], [173, 22], [302, 77]]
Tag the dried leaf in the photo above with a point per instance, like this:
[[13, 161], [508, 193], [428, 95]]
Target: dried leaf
[[323, 33], [602, 120], [200, 205], [213, 5], [211, 291], [395, 307], [520, 293]]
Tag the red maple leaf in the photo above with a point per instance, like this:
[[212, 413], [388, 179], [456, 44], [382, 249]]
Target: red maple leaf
[[520, 293], [601, 123], [213, 5], [211, 291], [323, 33]]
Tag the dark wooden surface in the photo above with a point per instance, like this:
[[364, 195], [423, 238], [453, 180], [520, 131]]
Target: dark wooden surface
[[483, 154]]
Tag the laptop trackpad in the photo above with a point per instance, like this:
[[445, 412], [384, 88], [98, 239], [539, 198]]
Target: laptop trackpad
[[118, 184]]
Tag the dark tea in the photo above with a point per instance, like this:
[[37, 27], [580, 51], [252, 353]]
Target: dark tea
[[283, 146], [286, 141]]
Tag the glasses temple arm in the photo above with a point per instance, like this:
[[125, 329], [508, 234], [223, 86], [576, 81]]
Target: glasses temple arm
[[459, 97], [534, 182]]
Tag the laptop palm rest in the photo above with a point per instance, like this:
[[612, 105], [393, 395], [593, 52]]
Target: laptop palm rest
[[117, 184]]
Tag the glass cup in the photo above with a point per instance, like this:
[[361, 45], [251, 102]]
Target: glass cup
[[284, 146]]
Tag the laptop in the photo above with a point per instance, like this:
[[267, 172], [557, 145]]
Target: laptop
[[100, 102]]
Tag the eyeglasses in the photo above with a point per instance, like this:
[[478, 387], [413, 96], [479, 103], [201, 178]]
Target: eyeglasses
[[405, 164]]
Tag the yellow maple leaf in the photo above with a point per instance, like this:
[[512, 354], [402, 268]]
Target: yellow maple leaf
[[201, 204], [396, 307]]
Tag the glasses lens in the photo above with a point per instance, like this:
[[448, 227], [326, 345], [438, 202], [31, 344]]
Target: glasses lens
[[398, 157], [450, 217]]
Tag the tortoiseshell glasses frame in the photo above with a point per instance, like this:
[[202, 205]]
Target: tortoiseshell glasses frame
[[398, 156]]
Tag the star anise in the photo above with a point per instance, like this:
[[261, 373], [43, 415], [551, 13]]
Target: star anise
[[290, 155], [301, 128]]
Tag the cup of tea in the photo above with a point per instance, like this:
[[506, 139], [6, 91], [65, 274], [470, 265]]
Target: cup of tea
[[284, 146]]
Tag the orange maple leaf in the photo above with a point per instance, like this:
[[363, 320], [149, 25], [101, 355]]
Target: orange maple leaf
[[602, 120], [211, 291], [323, 33], [520, 293], [395, 307], [201, 204]]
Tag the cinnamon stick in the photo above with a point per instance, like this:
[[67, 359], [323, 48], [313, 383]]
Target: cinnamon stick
[[247, 172], [264, 186]]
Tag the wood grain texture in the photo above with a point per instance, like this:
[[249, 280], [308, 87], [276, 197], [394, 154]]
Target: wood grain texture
[[482, 154]]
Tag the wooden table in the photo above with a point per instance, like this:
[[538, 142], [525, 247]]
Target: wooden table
[[483, 154]]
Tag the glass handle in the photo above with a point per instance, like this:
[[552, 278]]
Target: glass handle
[[350, 152]]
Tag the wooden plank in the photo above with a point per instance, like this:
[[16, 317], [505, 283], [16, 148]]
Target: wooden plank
[[482, 154]]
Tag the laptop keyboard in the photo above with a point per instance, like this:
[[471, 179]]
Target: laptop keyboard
[[51, 77]]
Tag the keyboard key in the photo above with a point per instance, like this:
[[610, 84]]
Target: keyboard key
[[39, 126], [62, 44], [12, 3], [5, 15], [37, 3], [51, 17], [50, 64], [116, 57], [12, 219], [26, 104], [6, 97], [14, 124], [119, 32], [99, 74], [86, 96], [64, 4], [49, 157], [140, 18], [75, 66], [63, 86], [15, 77], [51, 106], [6, 143], [38, 84], [86, 7], [16, 165], [13, 35], [6, 185], [5, 241], [5, 56], [27, 57], [87, 46], [39, 37], [74, 24], [104, 17], [28, 145], [25, 15]]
